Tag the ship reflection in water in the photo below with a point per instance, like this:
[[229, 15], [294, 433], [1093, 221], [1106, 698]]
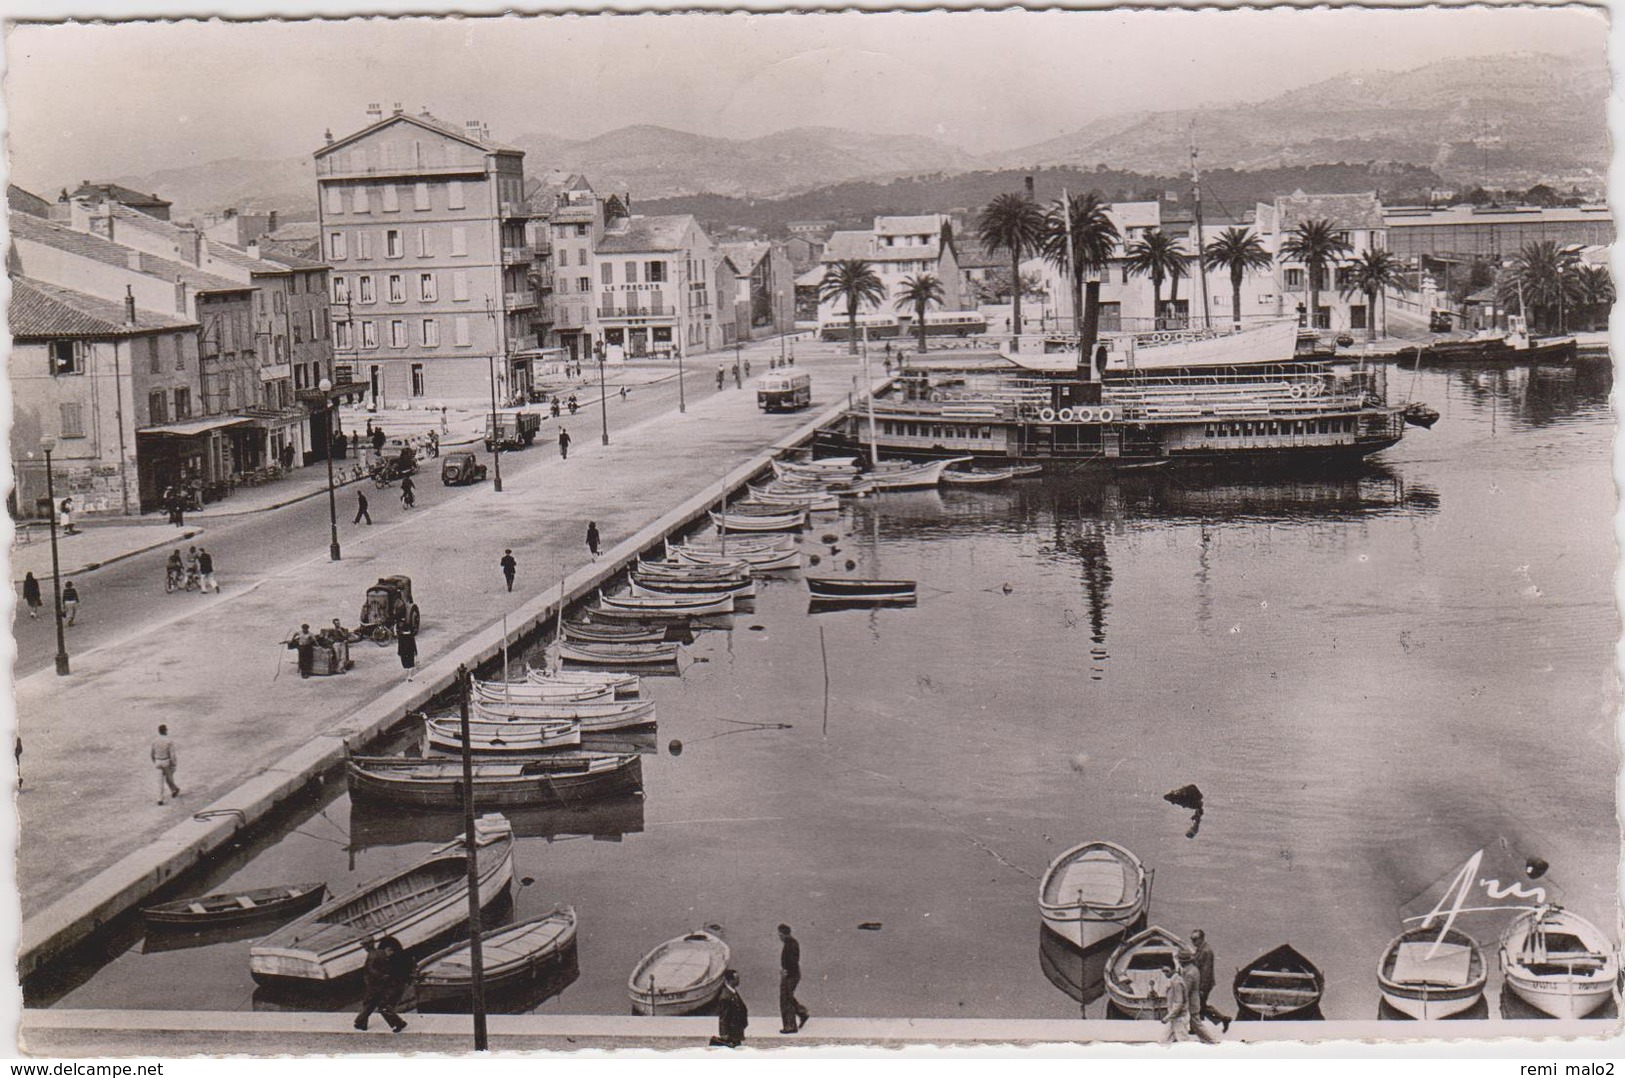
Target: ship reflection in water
[[602, 820]]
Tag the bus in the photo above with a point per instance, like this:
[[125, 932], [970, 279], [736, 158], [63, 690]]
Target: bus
[[873, 326], [784, 391], [955, 323]]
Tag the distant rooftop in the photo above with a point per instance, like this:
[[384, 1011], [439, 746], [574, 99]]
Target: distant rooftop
[[104, 250], [20, 201], [631, 235], [112, 192], [466, 133], [40, 311]]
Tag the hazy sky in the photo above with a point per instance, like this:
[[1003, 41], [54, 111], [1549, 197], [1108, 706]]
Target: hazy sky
[[104, 100]]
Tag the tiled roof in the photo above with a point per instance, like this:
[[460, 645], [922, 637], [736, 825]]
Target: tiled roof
[[116, 193], [926, 224], [116, 254], [660, 233], [1345, 211], [44, 311], [861, 245], [20, 201], [746, 255], [846, 245]]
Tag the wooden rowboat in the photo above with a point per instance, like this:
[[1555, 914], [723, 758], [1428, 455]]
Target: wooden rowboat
[[235, 907], [851, 589], [1134, 972], [510, 957], [1558, 962], [1000, 475], [617, 633], [1279, 984], [675, 569], [706, 541], [616, 715], [698, 605], [657, 588], [618, 654], [446, 735], [1432, 972], [1093, 892], [679, 976], [777, 522], [623, 684], [831, 468], [416, 905], [913, 478], [759, 561], [537, 692], [565, 778]]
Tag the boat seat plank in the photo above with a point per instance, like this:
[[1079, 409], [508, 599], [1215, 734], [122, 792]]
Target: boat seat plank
[[196, 907], [1450, 964], [1281, 974], [247, 903]]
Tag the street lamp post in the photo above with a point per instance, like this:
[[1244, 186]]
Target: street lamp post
[[682, 399], [496, 431], [603, 394], [326, 386], [48, 445], [783, 332]]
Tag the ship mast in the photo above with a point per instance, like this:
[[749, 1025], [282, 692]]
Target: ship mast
[[1201, 262]]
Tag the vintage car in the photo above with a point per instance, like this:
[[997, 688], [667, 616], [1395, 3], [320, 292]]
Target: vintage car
[[511, 430], [387, 607], [460, 468]]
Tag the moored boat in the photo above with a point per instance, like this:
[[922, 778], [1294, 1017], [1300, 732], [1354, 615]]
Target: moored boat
[[1279, 984], [852, 589], [610, 715], [1093, 892], [974, 477], [416, 905], [510, 956], [681, 975], [446, 735], [235, 907], [621, 655], [750, 522], [623, 684], [916, 477], [1558, 962], [617, 632], [538, 692], [1134, 972], [1432, 972], [564, 778], [665, 588], [764, 561], [701, 604]]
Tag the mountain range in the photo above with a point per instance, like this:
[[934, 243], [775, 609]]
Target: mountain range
[[1497, 119]]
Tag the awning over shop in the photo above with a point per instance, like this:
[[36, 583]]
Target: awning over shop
[[191, 428], [276, 420], [343, 393]]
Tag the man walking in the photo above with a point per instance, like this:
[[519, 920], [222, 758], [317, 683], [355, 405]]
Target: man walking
[[564, 443], [509, 567], [1193, 994], [1206, 981], [361, 509], [792, 1014], [385, 977], [205, 568], [1177, 1017], [732, 1014], [70, 601], [592, 538], [31, 595], [164, 758]]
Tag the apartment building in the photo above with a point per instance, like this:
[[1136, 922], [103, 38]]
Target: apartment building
[[1359, 220], [423, 224], [656, 288], [897, 248]]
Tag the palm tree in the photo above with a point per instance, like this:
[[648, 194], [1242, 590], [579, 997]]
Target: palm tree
[[1593, 293], [1012, 223], [920, 292], [1371, 275], [854, 281], [1318, 244], [1236, 250], [1078, 240], [1156, 255], [1541, 275]]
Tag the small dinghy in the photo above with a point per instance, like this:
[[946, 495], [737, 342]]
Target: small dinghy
[[912, 477], [446, 735], [532, 692], [590, 654], [565, 778], [1279, 984], [853, 590], [1092, 892], [1135, 971], [694, 605], [614, 715], [616, 632], [667, 588], [997, 475], [623, 684], [760, 561], [681, 975], [1426, 975], [510, 957], [788, 520], [1558, 962], [235, 907]]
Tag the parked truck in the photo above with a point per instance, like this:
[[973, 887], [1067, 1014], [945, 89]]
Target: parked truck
[[511, 430]]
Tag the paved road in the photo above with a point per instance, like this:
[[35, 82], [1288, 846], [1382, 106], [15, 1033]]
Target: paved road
[[127, 597]]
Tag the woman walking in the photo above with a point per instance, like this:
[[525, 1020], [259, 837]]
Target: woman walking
[[408, 496], [31, 595], [406, 646], [592, 538]]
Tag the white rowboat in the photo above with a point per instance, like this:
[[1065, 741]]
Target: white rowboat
[[1093, 892], [1432, 972], [679, 976], [1558, 962]]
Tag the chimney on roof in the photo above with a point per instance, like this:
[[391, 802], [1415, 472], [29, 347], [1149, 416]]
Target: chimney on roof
[[328, 135], [475, 128], [1027, 185], [191, 246], [254, 249], [129, 305], [398, 109], [375, 111], [270, 223]]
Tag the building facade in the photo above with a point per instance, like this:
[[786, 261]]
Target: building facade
[[656, 287], [897, 248], [423, 225], [1492, 233], [1359, 220]]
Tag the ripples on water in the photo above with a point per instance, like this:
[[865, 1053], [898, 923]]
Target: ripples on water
[[1370, 676]]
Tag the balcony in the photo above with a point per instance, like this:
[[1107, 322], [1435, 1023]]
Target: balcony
[[543, 280], [517, 256], [652, 310], [512, 210], [518, 301]]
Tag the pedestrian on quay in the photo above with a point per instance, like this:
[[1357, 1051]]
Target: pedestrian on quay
[[732, 1014], [592, 538], [355, 443], [1177, 1017], [564, 443], [205, 568], [434, 444], [70, 601], [1206, 981], [378, 439], [623, 393], [445, 426], [31, 595], [406, 646], [1193, 994], [385, 977], [193, 574], [792, 1014], [66, 517], [722, 373], [509, 567], [747, 368], [165, 759], [304, 641], [408, 492], [361, 509]]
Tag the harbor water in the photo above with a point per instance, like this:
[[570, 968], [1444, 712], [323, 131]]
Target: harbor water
[[1370, 676]]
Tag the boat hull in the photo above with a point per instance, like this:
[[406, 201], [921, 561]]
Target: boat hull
[[1133, 972], [212, 911], [565, 779], [619, 655], [443, 977], [523, 738], [1280, 984], [1430, 999], [1086, 920], [311, 952], [701, 957], [1563, 985]]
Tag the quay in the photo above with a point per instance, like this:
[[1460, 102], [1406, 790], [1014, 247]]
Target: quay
[[251, 733], [120, 1033]]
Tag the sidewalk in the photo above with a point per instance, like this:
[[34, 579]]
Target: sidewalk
[[219, 676]]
